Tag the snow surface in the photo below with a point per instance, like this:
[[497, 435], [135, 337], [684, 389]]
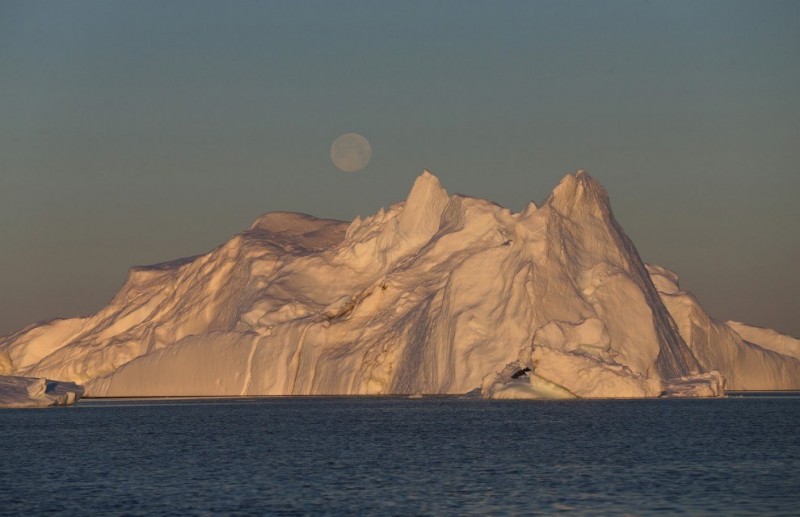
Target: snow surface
[[437, 294], [21, 392]]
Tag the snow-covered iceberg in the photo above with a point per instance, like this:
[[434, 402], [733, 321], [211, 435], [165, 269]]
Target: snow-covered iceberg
[[24, 392], [437, 294]]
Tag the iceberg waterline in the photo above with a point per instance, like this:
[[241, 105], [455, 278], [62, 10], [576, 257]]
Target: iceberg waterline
[[439, 294]]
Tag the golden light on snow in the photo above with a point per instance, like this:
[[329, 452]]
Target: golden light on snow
[[350, 152]]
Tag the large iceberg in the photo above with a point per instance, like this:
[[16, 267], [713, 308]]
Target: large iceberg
[[439, 294]]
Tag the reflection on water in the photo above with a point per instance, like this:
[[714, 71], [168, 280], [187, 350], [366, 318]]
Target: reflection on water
[[399, 456]]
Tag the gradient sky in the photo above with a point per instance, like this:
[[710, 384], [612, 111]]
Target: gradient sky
[[137, 132]]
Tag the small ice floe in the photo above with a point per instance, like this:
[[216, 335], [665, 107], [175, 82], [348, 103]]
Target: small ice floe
[[21, 392], [711, 384]]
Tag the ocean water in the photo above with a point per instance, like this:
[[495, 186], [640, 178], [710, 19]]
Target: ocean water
[[397, 456]]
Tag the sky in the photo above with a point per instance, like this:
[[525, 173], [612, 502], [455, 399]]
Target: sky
[[141, 131]]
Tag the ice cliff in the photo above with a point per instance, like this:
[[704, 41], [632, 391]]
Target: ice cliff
[[437, 294]]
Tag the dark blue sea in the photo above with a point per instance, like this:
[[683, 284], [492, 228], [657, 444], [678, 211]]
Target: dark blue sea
[[397, 456]]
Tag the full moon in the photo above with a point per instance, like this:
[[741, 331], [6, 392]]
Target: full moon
[[350, 152]]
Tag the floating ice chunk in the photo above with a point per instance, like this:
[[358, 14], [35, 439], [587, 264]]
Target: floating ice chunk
[[19, 392], [710, 384], [587, 377]]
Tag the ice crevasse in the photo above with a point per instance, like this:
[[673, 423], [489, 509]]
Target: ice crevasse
[[438, 294]]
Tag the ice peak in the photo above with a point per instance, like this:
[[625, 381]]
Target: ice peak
[[580, 192], [424, 205], [425, 182], [426, 189]]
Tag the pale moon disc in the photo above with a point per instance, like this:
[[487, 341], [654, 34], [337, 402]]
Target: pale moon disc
[[350, 152]]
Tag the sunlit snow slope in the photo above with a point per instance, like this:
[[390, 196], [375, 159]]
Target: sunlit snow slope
[[438, 294]]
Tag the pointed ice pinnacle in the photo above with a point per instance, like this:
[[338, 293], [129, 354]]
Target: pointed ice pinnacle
[[580, 194], [424, 206]]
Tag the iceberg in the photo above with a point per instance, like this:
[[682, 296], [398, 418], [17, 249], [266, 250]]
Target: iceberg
[[438, 294]]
